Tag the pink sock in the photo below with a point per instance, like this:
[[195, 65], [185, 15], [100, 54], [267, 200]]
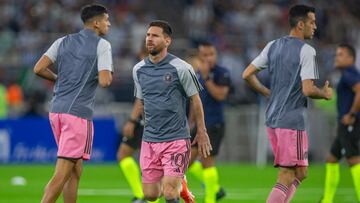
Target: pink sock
[[292, 190], [278, 194]]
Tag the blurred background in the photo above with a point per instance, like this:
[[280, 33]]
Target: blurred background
[[238, 28]]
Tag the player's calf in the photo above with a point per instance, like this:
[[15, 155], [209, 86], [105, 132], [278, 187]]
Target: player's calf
[[286, 176]]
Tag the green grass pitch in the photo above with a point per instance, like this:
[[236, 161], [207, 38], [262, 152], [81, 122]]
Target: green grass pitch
[[105, 183]]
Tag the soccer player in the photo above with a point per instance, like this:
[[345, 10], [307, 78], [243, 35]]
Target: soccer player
[[347, 139], [216, 82], [292, 69], [82, 60], [163, 82]]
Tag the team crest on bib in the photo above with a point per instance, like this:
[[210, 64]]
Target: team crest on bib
[[168, 77]]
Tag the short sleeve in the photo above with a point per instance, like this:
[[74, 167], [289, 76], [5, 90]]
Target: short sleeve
[[351, 78], [261, 61], [224, 78], [52, 52], [309, 69], [137, 87], [189, 80], [187, 77], [104, 56]]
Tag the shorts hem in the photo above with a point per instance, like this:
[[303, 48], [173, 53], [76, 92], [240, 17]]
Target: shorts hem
[[292, 166], [69, 158], [150, 181], [177, 175]]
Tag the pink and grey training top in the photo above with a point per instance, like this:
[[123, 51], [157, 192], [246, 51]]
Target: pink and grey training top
[[289, 60], [78, 58], [164, 88]]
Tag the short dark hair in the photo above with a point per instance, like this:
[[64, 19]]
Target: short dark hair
[[205, 44], [162, 24], [351, 50], [298, 13], [92, 10]]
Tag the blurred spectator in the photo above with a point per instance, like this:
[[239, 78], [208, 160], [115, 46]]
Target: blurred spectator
[[238, 29], [35, 105], [3, 102], [197, 19], [14, 95]]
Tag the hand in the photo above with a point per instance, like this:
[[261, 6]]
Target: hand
[[266, 92], [328, 91], [128, 130], [203, 141], [348, 119], [204, 70]]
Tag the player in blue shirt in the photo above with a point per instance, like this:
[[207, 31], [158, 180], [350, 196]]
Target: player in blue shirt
[[216, 82], [347, 140]]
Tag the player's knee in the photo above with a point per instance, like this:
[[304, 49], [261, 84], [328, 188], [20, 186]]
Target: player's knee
[[123, 152], [60, 177], [123, 156], [208, 161], [170, 192], [301, 176], [352, 161], [301, 173], [151, 193], [151, 197], [331, 159], [286, 176], [77, 174], [119, 156]]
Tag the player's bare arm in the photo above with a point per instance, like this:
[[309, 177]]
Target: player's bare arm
[[138, 109], [310, 90], [349, 118], [42, 69], [191, 118], [249, 75], [201, 138], [105, 78]]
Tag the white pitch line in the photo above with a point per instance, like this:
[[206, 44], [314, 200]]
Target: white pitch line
[[105, 192], [233, 194]]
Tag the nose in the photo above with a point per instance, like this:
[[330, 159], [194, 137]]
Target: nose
[[149, 38]]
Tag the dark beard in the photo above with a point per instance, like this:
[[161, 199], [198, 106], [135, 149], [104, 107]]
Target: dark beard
[[154, 52]]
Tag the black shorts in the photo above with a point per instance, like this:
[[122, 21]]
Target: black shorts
[[216, 134], [135, 141], [347, 141]]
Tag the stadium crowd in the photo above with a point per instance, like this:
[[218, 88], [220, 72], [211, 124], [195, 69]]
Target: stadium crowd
[[239, 29]]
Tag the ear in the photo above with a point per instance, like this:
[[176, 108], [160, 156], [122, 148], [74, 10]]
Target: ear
[[301, 25], [167, 41], [96, 23]]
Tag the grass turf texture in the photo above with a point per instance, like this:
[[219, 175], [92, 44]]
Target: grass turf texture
[[106, 184]]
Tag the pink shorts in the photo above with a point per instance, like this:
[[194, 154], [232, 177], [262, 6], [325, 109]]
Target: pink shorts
[[158, 159], [290, 147], [73, 135]]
